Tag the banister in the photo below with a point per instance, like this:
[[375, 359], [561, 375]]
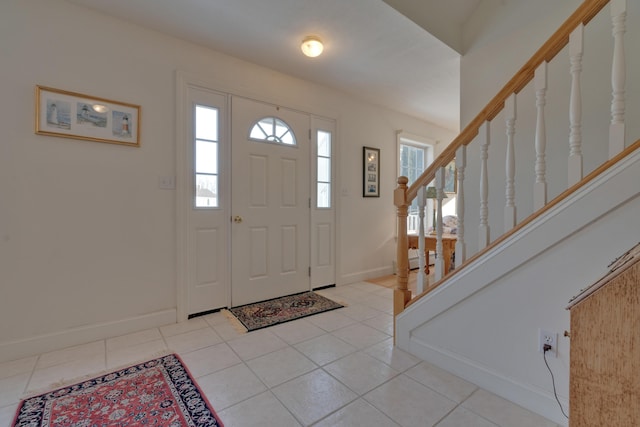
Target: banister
[[562, 196], [585, 13]]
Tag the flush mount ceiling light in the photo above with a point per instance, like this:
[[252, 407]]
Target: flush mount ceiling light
[[312, 46]]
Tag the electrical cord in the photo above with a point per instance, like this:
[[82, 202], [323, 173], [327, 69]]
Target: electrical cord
[[553, 381]]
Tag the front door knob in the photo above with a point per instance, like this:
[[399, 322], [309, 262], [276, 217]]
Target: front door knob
[[237, 219]]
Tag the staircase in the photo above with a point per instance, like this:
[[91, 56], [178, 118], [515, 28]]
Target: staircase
[[517, 265]]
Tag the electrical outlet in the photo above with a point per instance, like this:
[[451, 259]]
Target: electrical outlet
[[550, 338]]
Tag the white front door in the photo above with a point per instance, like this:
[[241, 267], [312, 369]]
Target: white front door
[[270, 201]]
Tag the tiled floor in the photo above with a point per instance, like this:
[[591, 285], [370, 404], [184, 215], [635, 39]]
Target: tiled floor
[[333, 369]]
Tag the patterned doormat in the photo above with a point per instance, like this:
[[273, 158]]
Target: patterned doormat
[[160, 392], [284, 309]]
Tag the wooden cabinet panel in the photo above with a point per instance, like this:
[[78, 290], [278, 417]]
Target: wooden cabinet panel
[[605, 352]]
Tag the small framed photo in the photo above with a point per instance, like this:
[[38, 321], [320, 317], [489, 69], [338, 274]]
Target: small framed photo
[[74, 115], [371, 172]]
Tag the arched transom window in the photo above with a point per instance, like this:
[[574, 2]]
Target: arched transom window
[[272, 129]]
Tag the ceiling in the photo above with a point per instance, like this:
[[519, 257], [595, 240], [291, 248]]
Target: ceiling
[[372, 51]]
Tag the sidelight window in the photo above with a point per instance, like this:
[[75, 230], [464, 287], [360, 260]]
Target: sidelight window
[[207, 148]]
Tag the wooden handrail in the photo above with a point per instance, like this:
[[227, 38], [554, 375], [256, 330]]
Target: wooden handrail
[[585, 13]]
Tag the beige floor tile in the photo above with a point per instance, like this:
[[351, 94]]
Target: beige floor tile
[[12, 388], [68, 354], [331, 320], [409, 403], [228, 331], [210, 359], [136, 338], [360, 312], [361, 336], [379, 302], [255, 344], [63, 374], [194, 340], [182, 327], [325, 349], [357, 414], [230, 386], [214, 319], [136, 353], [297, 331], [313, 396], [360, 372], [261, 410], [461, 417], [503, 412], [19, 366], [280, 366], [453, 387], [382, 322], [7, 413], [398, 359]]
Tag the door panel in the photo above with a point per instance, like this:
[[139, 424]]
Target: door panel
[[207, 267], [270, 207]]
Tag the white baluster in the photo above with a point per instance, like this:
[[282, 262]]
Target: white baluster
[[510, 166], [540, 186], [461, 164], [618, 78], [576, 46], [483, 228], [439, 246], [422, 278]]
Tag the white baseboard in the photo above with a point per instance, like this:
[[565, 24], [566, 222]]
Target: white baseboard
[[536, 400], [12, 350], [364, 275]]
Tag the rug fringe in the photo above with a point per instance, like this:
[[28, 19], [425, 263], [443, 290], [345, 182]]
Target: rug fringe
[[76, 380], [237, 324]]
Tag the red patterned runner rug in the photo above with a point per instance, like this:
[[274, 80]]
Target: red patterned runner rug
[[160, 392]]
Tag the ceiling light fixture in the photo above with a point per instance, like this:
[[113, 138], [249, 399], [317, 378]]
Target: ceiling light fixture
[[312, 46]]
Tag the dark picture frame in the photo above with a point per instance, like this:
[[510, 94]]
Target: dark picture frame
[[370, 172]]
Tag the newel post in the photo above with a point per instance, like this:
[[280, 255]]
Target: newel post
[[401, 294]]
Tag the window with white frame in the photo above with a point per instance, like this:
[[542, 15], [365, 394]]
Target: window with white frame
[[323, 178], [414, 155], [272, 129], [206, 157]]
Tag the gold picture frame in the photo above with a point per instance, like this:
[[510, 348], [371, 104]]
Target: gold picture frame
[[74, 115]]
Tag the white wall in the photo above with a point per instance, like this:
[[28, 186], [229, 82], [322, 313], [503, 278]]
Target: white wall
[[86, 236]]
